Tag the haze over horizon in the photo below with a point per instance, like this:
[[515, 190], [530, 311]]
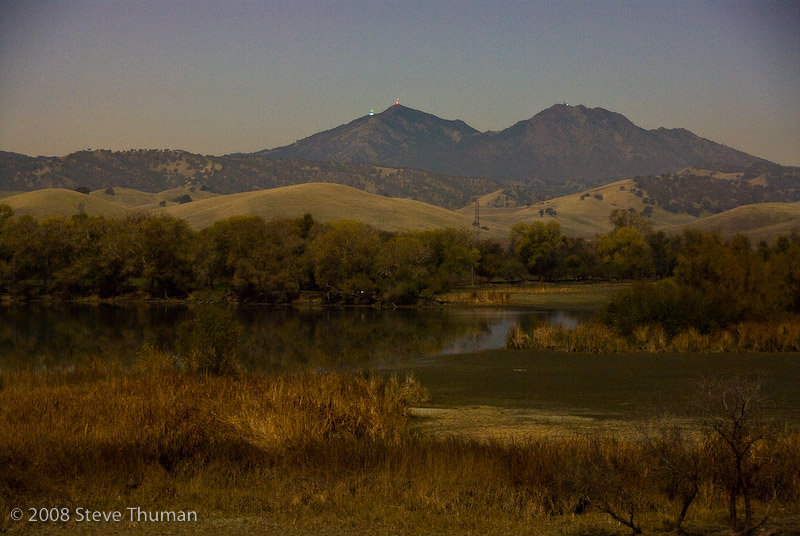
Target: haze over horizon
[[245, 76]]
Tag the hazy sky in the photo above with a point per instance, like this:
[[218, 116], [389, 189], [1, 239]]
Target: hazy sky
[[222, 77]]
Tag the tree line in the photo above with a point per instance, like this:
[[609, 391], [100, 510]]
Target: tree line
[[351, 262]]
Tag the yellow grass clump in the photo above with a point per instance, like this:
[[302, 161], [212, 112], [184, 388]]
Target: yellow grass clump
[[768, 336]]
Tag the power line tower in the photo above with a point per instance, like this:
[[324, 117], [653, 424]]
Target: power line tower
[[476, 224]]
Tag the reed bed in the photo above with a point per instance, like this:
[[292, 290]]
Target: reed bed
[[332, 447], [592, 337]]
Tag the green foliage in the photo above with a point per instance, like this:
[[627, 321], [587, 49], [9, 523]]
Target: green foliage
[[625, 253], [261, 261], [715, 284], [161, 253], [536, 245], [343, 255], [210, 341], [404, 265], [663, 303]]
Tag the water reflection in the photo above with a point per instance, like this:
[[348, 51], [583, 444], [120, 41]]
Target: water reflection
[[45, 336]]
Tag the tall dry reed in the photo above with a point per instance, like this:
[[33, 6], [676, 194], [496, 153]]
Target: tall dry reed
[[768, 336]]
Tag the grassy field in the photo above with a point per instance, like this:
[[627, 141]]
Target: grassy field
[[329, 454]]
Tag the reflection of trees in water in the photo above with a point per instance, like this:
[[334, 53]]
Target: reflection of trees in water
[[332, 338], [58, 335]]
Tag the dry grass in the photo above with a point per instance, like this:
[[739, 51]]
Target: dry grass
[[762, 221], [775, 336], [325, 202], [582, 218], [541, 295], [61, 202], [307, 450]]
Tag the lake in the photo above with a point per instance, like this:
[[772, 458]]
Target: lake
[[455, 352], [275, 338]]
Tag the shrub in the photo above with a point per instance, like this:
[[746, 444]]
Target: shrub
[[664, 303], [595, 338], [210, 341], [517, 339]]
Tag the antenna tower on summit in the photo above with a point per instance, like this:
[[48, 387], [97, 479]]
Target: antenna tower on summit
[[397, 101]]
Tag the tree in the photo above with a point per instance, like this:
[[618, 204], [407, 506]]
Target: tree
[[625, 253], [404, 266], [536, 245], [454, 257], [161, 252], [732, 408], [265, 258], [343, 255]]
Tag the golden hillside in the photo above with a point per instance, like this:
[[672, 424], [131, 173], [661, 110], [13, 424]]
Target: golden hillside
[[326, 202], [130, 198], [585, 217], [61, 202], [763, 221]]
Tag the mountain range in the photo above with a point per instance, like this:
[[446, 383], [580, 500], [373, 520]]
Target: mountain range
[[406, 153], [562, 143]]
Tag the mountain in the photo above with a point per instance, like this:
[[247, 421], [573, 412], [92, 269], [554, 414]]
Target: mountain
[[400, 137], [562, 143]]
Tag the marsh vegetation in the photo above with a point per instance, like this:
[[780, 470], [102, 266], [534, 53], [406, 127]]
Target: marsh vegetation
[[304, 447]]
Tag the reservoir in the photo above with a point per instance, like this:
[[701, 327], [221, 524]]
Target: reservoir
[[457, 354]]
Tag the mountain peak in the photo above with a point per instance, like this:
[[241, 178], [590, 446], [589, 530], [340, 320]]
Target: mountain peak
[[561, 143]]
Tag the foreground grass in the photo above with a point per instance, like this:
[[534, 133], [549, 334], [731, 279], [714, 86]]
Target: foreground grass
[[325, 453]]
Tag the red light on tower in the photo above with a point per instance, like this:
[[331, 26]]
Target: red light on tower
[[397, 101]]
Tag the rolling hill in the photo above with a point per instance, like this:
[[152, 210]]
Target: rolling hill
[[584, 214], [762, 221], [61, 202], [326, 202], [130, 198]]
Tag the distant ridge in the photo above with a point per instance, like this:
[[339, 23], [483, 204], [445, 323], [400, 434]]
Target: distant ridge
[[558, 144]]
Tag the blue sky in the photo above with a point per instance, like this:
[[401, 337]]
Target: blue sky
[[217, 77]]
